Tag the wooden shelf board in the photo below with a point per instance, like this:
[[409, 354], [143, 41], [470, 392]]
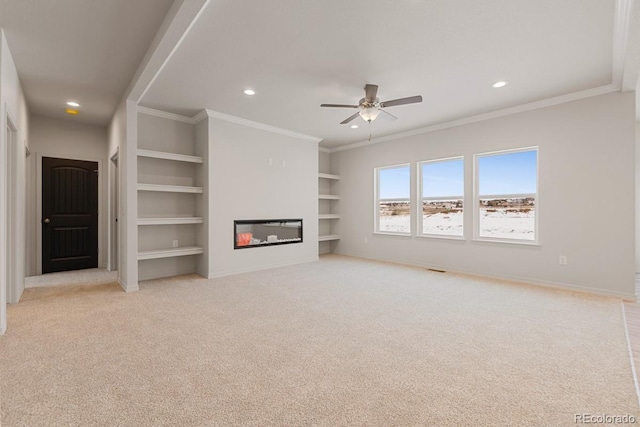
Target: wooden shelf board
[[328, 176], [169, 188], [169, 253], [328, 197], [169, 156], [170, 220], [328, 237]]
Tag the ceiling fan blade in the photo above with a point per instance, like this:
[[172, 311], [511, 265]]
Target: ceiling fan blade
[[345, 121], [389, 115], [402, 101], [370, 92], [339, 105]]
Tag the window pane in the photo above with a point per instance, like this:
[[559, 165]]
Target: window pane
[[442, 197], [507, 186], [394, 206], [509, 173], [442, 217], [508, 218], [443, 179]]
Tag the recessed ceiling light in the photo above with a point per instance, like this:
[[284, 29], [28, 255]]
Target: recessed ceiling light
[[72, 111], [73, 104], [354, 126], [500, 84], [249, 92]]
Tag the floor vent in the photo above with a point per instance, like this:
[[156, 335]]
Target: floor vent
[[437, 271]]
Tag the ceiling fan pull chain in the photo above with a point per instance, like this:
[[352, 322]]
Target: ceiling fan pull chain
[[369, 131]]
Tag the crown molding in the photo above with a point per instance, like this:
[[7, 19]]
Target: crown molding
[[487, 116], [324, 150], [256, 125], [621, 25], [165, 115]]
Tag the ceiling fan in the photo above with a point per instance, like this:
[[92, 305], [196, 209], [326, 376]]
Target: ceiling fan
[[370, 106]]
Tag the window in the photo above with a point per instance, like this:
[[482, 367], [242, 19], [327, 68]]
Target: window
[[507, 194], [393, 203], [442, 196]]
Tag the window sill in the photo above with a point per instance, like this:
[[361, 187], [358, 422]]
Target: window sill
[[507, 242], [388, 233], [441, 237]]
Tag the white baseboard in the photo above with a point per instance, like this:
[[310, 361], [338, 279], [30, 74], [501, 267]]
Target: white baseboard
[[252, 269], [525, 280], [128, 288]]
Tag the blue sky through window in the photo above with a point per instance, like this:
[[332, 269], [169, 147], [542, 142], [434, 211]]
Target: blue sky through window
[[443, 179], [509, 173], [394, 182]]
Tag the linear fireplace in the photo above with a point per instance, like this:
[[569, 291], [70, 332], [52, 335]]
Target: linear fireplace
[[253, 233]]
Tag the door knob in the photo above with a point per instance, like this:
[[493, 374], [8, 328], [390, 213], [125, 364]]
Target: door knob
[[46, 221]]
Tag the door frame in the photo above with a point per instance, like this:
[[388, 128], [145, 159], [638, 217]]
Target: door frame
[[114, 192], [38, 224], [14, 290]]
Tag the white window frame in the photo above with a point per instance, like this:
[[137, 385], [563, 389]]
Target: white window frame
[[421, 200], [376, 200], [477, 197]]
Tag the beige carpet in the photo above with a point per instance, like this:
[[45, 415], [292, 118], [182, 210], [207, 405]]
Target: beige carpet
[[338, 342]]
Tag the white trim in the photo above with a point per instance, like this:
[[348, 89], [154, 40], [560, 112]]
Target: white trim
[[261, 126], [630, 351], [621, 20], [199, 117], [165, 115], [251, 269], [525, 280], [173, 50], [324, 150], [487, 116], [328, 237]]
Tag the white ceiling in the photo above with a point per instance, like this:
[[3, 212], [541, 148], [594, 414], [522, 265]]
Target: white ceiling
[[299, 54], [87, 50]]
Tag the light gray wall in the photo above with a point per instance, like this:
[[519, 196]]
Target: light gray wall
[[586, 196], [66, 139], [12, 200], [244, 186]]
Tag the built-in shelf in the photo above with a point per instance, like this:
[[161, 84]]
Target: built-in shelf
[[328, 237], [329, 216], [168, 253], [328, 197], [170, 221], [169, 188], [328, 176], [169, 156]]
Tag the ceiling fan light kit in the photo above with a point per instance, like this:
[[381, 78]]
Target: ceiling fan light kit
[[370, 106]]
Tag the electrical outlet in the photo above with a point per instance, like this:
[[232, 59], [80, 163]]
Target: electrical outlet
[[175, 243], [563, 260]]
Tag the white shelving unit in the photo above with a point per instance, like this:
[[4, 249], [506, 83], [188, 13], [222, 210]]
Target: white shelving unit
[[169, 253], [328, 215], [169, 188], [169, 195], [170, 220]]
